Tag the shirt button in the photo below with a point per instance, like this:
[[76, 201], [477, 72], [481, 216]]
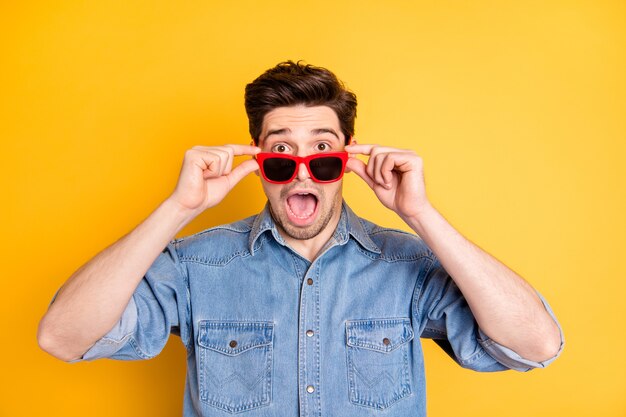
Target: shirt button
[[386, 342], [310, 389], [233, 344], [309, 333], [309, 281]]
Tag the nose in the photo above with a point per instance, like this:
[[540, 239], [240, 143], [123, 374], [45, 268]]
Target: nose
[[303, 173]]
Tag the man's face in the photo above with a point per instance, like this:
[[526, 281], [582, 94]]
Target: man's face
[[302, 208]]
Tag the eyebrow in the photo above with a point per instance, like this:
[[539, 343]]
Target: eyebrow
[[315, 132], [276, 132], [325, 130]]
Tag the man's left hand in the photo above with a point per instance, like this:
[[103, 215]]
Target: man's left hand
[[395, 175]]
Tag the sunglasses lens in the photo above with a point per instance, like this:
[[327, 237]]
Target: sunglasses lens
[[279, 169], [326, 168]]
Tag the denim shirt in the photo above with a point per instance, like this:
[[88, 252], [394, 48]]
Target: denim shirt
[[269, 333]]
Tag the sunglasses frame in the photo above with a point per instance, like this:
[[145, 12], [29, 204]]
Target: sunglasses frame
[[306, 160]]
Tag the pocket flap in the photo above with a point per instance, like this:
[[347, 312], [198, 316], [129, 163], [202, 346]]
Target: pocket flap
[[234, 337], [382, 335]]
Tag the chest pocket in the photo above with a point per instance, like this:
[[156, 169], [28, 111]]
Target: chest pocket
[[379, 374], [235, 364]]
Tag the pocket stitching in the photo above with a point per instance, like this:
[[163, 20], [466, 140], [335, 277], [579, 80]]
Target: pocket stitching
[[352, 333], [265, 343], [405, 382], [265, 339]]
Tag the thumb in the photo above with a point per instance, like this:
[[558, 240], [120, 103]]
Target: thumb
[[241, 170], [358, 167]]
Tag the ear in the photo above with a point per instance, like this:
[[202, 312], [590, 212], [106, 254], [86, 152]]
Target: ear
[[253, 144], [352, 141]]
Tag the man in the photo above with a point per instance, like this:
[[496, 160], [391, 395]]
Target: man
[[304, 309]]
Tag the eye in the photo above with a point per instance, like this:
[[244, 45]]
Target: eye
[[322, 147], [280, 148]]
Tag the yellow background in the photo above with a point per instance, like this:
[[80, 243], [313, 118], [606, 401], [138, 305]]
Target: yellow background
[[517, 108]]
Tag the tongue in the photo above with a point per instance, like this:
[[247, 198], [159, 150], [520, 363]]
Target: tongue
[[302, 205]]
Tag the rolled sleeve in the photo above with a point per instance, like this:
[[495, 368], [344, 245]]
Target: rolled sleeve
[[446, 318], [115, 340], [158, 307], [511, 359]]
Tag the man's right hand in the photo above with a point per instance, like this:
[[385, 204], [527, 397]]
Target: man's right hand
[[94, 298], [207, 176]]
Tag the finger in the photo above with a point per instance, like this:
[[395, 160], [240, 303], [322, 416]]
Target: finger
[[210, 164], [222, 161], [360, 149], [371, 167], [378, 163], [241, 170], [236, 149], [244, 149], [359, 168], [371, 150], [226, 153], [230, 159], [396, 164], [386, 169], [203, 161], [406, 161]]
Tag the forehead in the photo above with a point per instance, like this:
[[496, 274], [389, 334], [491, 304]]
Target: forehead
[[300, 120]]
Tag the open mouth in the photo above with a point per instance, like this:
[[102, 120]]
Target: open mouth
[[302, 206]]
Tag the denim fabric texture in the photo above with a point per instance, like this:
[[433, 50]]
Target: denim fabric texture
[[269, 333]]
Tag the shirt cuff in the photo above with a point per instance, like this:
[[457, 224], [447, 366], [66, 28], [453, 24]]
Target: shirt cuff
[[116, 338], [512, 360]]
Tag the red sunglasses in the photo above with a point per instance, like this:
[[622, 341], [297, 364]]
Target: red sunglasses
[[280, 168]]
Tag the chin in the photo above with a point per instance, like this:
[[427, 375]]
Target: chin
[[304, 227]]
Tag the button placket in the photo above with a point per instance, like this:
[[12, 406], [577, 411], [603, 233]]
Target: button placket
[[309, 344]]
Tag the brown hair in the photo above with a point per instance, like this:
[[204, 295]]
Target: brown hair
[[290, 84]]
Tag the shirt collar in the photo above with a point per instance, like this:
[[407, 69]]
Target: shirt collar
[[349, 225]]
